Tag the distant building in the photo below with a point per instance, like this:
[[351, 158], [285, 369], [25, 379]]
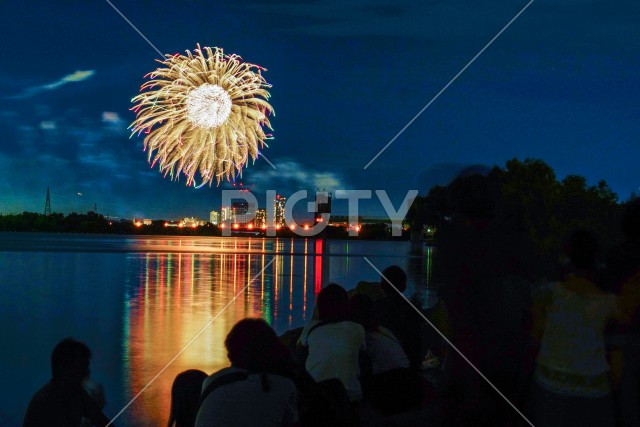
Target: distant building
[[344, 221], [214, 217], [139, 222], [323, 204], [251, 212], [240, 210], [227, 215], [278, 205], [260, 219], [191, 222]]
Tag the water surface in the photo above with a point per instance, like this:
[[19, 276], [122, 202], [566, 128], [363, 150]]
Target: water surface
[[150, 307]]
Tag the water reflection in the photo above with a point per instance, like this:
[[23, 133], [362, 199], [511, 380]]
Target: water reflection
[[175, 295], [170, 297], [428, 296]]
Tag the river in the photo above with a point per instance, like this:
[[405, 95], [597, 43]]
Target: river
[[150, 307]]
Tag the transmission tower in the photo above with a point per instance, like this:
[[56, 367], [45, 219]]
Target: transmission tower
[[47, 205]]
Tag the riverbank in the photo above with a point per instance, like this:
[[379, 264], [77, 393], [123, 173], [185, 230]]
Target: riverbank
[[94, 223]]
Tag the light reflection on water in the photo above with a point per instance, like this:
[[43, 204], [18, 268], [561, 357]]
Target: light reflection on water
[[168, 289]]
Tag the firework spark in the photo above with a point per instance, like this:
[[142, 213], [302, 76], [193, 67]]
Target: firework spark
[[203, 112]]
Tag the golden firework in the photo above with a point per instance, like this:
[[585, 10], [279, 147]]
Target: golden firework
[[204, 113]]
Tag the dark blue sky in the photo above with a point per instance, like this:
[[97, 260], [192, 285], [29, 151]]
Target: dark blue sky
[[560, 84]]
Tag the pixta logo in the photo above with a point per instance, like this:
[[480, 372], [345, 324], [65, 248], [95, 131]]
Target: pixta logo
[[396, 216]]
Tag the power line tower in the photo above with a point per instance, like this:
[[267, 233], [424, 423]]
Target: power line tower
[[47, 205]]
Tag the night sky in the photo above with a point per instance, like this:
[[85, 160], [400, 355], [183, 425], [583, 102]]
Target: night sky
[[560, 84]]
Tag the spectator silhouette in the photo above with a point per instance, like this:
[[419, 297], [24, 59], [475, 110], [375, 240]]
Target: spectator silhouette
[[383, 348], [334, 341], [251, 392], [623, 267], [486, 259], [389, 384], [572, 375], [185, 395], [396, 314], [63, 401]]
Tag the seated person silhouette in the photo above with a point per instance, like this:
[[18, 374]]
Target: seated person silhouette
[[334, 342], [63, 401], [185, 395], [396, 314], [252, 391]]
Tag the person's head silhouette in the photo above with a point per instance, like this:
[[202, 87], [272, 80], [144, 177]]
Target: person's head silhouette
[[396, 276], [70, 362], [185, 396], [333, 304]]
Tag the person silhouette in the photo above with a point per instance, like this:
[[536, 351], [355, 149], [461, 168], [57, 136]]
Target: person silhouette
[[572, 376], [185, 395], [334, 342], [394, 313], [63, 401], [255, 389]]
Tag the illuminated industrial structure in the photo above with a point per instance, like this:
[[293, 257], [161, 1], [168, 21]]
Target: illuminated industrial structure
[[227, 215], [139, 222], [260, 220], [240, 211], [214, 217], [278, 207], [323, 205], [192, 222]]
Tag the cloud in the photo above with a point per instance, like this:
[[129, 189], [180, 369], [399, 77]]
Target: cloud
[[388, 18], [48, 125], [340, 18], [113, 123], [75, 77], [326, 181], [111, 117], [292, 175]]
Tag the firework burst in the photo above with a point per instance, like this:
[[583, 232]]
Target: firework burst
[[203, 113]]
